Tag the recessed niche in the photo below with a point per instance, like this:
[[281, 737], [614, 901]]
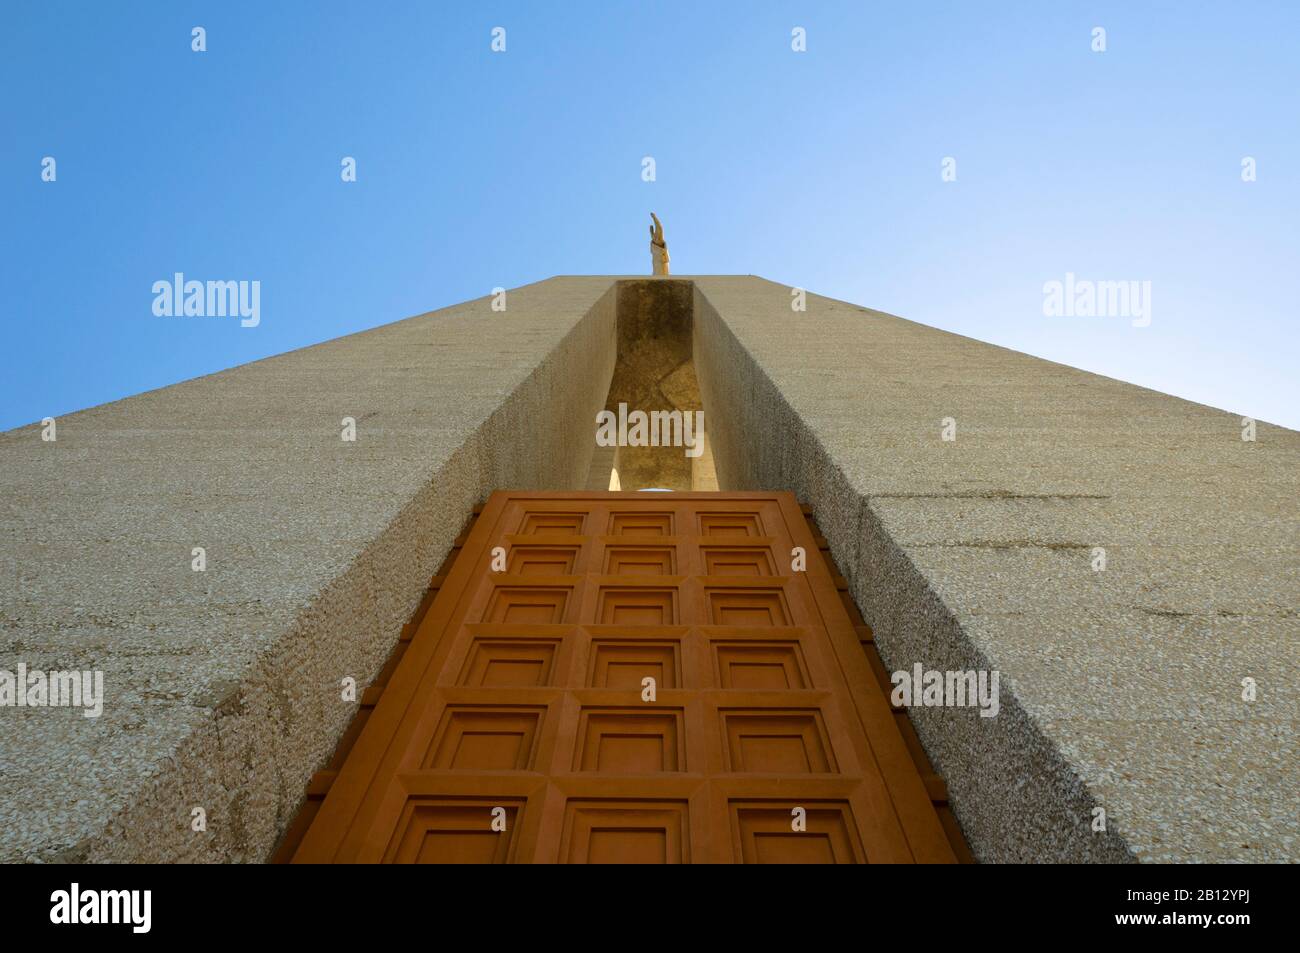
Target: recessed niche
[[524, 605], [611, 831], [529, 560], [773, 741], [445, 831], [509, 663], [753, 607], [554, 524], [730, 524], [660, 438], [485, 739], [765, 834], [640, 560], [637, 606], [641, 524], [737, 561], [760, 666], [624, 663], [629, 741]]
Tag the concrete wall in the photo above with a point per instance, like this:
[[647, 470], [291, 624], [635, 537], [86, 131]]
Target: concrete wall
[[223, 687], [1120, 689]]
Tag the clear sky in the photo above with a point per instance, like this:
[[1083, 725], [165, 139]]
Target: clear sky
[[821, 169]]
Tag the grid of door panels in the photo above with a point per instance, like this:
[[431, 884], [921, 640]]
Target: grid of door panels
[[646, 681]]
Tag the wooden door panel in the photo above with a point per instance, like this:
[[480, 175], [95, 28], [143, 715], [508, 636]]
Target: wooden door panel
[[647, 681]]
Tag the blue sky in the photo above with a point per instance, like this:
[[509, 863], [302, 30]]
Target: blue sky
[[479, 169]]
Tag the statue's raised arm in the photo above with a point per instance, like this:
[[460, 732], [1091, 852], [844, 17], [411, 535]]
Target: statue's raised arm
[[658, 247]]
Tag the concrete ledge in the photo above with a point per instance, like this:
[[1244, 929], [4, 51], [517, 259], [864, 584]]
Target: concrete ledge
[[223, 687], [1120, 689]]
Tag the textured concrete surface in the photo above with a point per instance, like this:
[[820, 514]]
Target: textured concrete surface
[[223, 687], [1120, 689]]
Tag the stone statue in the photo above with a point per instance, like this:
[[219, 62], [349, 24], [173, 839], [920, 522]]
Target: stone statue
[[658, 248]]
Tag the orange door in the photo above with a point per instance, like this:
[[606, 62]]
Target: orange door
[[645, 679]]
